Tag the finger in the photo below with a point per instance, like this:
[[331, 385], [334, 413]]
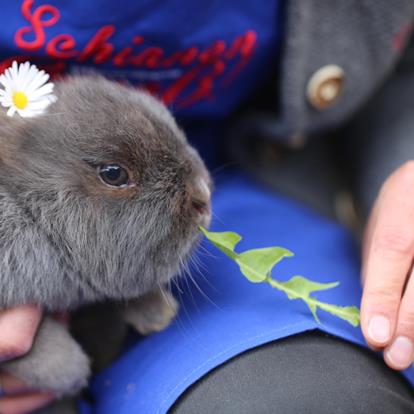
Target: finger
[[367, 240], [369, 229], [11, 385], [24, 404], [389, 257], [400, 354], [18, 327]]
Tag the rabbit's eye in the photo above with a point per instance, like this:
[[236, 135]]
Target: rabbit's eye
[[114, 175]]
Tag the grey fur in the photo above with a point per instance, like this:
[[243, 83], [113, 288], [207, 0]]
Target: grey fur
[[55, 362], [67, 240], [151, 313]]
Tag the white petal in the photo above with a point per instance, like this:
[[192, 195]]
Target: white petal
[[28, 113], [24, 70], [6, 101], [14, 70], [11, 111], [6, 78], [41, 92], [23, 113], [31, 75], [49, 98], [11, 83], [39, 105], [37, 82], [5, 81], [6, 97]]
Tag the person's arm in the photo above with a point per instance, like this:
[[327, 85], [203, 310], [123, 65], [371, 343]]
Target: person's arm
[[18, 328]]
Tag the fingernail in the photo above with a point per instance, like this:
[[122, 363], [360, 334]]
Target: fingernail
[[379, 329], [400, 353]]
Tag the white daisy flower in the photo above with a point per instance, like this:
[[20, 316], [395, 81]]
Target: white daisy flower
[[26, 90]]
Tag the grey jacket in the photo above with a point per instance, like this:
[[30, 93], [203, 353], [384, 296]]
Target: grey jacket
[[338, 67], [363, 38]]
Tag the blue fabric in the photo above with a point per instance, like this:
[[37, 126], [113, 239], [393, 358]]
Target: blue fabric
[[201, 57], [233, 315]]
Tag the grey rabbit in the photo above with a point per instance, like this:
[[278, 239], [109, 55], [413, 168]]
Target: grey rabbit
[[100, 200]]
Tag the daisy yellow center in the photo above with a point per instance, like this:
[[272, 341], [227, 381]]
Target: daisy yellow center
[[20, 100]]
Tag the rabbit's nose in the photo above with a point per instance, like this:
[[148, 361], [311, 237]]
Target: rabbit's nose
[[200, 197]]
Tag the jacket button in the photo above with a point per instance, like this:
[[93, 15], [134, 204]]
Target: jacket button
[[325, 86]]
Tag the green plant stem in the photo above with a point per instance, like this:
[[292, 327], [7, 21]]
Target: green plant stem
[[336, 310]]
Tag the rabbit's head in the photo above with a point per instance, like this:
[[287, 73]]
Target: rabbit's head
[[112, 180]]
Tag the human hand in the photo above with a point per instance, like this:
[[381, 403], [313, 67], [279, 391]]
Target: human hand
[[387, 309], [18, 327]]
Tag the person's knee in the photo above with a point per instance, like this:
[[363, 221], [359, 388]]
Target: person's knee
[[306, 373]]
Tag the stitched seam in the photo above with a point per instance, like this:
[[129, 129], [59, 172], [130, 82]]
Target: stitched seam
[[161, 410]]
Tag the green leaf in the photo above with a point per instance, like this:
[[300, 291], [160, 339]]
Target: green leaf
[[348, 313], [257, 265], [299, 287], [225, 241], [262, 261]]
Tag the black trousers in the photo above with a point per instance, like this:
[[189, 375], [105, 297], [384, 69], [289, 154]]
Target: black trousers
[[306, 373]]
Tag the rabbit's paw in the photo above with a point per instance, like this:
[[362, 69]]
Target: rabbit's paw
[[55, 363], [151, 313]]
